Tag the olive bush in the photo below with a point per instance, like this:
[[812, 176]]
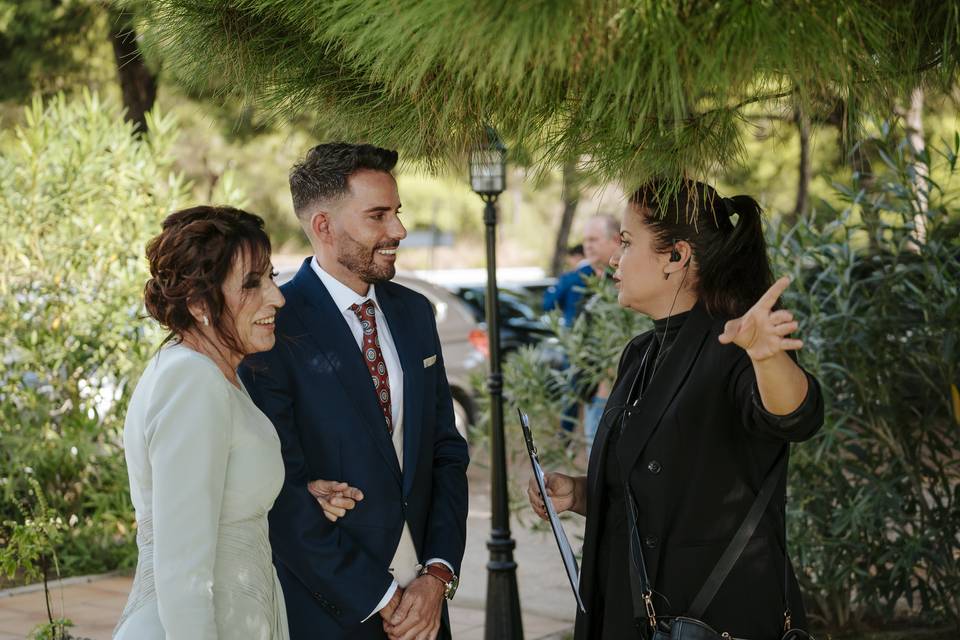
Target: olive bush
[[875, 498], [79, 197]]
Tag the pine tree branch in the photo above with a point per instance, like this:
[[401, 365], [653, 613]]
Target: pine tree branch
[[640, 88]]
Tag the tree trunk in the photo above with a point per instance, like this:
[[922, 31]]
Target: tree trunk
[[137, 83], [571, 197], [44, 567], [913, 120], [864, 178], [806, 168]]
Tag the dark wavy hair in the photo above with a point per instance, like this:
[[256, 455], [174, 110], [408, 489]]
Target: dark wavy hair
[[324, 172], [189, 262], [733, 268]]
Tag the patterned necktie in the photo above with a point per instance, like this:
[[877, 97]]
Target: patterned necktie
[[372, 355]]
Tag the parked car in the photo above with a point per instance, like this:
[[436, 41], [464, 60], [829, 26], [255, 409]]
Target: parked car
[[520, 323], [462, 340]]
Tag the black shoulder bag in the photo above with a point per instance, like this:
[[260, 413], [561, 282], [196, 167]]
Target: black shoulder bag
[[690, 627]]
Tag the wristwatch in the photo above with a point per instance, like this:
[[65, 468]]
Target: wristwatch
[[442, 573]]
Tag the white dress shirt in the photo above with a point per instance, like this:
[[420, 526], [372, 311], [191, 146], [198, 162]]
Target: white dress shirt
[[404, 566]]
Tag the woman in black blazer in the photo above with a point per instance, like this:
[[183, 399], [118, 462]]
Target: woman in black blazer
[[703, 410]]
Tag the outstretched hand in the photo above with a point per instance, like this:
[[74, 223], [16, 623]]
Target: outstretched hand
[[761, 331]]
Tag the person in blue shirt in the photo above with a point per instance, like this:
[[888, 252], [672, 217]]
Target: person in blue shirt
[[601, 240], [567, 294]]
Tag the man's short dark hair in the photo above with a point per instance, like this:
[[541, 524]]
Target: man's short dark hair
[[323, 173]]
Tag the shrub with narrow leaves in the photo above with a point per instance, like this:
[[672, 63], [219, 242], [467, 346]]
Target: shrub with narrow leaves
[[79, 197]]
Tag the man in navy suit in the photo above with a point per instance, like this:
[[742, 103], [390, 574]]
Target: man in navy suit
[[356, 389]]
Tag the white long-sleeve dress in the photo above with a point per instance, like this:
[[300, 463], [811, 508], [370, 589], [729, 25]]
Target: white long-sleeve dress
[[205, 467]]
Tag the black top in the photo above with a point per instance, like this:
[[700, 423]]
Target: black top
[[614, 532], [667, 329], [696, 445], [665, 333]]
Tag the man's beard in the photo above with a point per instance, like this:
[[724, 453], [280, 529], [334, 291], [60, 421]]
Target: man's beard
[[360, 259]]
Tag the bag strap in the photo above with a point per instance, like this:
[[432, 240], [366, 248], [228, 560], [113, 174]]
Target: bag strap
[[641, 593], [640, 589], [739, 542], [782, 526]]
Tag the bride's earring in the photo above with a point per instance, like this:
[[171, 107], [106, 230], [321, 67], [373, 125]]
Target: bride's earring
[[206, 321]]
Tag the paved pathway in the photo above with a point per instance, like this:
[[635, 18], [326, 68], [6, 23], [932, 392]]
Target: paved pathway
[[94, 604]]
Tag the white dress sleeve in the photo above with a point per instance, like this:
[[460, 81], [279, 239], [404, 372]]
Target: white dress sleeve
[[188, 442]]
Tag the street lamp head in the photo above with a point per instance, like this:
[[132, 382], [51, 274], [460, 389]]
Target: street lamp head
[[488, 165]]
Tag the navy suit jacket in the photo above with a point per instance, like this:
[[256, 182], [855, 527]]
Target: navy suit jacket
[[315, 388]]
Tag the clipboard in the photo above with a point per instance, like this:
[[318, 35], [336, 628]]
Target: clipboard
[[563, 543]]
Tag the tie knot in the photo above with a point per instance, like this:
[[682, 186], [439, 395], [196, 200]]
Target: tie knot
[[364, 311]]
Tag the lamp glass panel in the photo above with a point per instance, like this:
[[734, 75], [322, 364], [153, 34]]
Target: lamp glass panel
[[487, 172]]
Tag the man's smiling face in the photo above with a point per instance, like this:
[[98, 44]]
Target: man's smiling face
[[366, 227]]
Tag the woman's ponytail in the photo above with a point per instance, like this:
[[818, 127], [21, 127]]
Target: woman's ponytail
[[737, 273], [726, 234]]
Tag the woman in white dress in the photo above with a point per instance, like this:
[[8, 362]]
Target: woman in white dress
[[204, 462]]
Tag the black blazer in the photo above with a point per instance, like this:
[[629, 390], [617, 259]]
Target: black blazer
[[698, 447]]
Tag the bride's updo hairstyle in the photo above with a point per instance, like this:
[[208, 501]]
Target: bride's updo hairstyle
[[189, 262], [732, 269]]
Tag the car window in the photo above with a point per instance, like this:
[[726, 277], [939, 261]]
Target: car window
[[512, 306]]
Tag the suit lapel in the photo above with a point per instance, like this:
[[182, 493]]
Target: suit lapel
[[337, 344], [667, 380], [411, 359]]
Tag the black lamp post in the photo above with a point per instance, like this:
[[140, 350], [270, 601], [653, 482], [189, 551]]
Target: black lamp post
[[488, 177]]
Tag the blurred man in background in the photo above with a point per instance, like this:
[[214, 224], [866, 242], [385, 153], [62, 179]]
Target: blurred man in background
[[601, 239]]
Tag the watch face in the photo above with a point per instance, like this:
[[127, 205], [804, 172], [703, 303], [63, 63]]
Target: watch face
[[452, 587]]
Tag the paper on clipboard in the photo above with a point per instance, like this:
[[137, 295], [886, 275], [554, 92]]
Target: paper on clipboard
[[563, 543]]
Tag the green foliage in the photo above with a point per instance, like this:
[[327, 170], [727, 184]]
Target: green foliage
[[875, 497], [58, 629], [50, 45], [875, 511], [444, 201], [31, 549], [79, 197], [639, 87], [538, 380], [32, 539]]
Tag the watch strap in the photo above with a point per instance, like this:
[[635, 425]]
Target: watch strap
[[438, 571], [443, 574]]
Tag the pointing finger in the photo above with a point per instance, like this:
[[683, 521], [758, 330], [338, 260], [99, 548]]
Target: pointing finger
[[770, 298]]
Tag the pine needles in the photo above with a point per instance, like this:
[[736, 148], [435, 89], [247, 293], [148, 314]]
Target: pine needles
[[639, 88]]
